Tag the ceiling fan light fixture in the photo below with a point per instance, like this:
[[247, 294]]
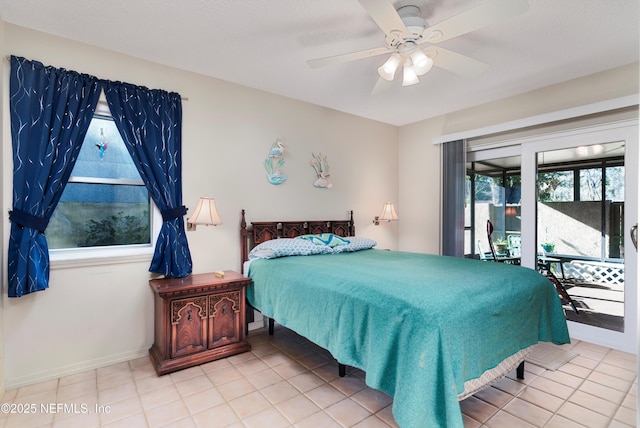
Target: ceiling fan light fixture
[[419, 59], [405, 31], [409, 76], [387, 71], [424, 67]]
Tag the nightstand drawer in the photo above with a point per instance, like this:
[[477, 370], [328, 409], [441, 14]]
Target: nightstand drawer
[[188, 326], [225, 320]]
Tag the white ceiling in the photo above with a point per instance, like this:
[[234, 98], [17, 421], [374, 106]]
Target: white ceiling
[[264, 44]]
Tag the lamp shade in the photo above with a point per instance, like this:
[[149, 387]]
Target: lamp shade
[[205, 213], [418, 58], [388, 70], [388, 212], [409, 76], [421, 64]]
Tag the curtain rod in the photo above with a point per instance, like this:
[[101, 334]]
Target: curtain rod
[[8, 58]]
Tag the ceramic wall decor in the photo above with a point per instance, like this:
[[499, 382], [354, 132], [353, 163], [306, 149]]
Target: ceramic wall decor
[[321, 167], [274, 163]]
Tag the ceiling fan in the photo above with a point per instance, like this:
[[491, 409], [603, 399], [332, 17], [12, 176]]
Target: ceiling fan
[[408, 38]]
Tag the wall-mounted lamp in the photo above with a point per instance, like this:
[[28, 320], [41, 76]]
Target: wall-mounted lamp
[[205, 213], [388, 213]]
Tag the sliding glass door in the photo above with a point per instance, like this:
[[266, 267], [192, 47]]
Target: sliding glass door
[[565, 203], [585, 187]]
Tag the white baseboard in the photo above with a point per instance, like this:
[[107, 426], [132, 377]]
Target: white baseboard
[[12, 383]]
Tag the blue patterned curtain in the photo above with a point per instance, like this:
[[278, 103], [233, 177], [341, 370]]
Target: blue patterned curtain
[[150, 122], [51, 110]]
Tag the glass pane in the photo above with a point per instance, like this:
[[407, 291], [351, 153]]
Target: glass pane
[[615, 183], [467, 202], [104, 154], [100, 215], [494, 194], [591, 184], [580, 239], [488, 205], [555, 186], [615, 211], [467, 243], [468, 250], [484, 188], [566, 226]]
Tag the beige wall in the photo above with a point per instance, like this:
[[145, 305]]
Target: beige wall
[[419, 160], [608, 85], [94, 315]]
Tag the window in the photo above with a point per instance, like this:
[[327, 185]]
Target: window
[[556, 186], [574, 219], [105, 203], [493, 193]]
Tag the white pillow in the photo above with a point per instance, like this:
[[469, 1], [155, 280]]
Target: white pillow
[[356, 243], [287, 247]]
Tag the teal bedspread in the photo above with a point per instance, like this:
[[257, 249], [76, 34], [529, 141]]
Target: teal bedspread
[[419, 325]]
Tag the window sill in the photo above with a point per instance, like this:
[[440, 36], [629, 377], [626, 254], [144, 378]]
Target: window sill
[[64, 259]]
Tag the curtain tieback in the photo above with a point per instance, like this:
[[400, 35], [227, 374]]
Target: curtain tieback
[[172, 213], [24, 219]]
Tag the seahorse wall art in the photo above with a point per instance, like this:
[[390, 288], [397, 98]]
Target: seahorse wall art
[[321, 167], [274, 163]]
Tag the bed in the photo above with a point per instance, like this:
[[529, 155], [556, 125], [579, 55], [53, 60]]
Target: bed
[[428, 330]]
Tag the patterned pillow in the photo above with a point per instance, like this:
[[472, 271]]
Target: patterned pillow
[[286, 247], [328, 239], [356, 244]]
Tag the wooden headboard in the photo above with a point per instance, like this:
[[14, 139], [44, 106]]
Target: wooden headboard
[[262, 231]]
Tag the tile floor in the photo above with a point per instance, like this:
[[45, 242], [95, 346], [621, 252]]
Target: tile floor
[[285, 381]]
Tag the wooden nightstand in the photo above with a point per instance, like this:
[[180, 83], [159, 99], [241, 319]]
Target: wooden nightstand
[[199, 318]]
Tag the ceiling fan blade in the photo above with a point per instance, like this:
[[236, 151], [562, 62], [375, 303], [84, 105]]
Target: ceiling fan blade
[[321, 62], [481, 16], [386, 16], [456, 63]]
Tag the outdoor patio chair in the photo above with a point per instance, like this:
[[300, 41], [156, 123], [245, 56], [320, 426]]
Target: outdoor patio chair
[[545, 269], [491, 247], [515, 244]]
